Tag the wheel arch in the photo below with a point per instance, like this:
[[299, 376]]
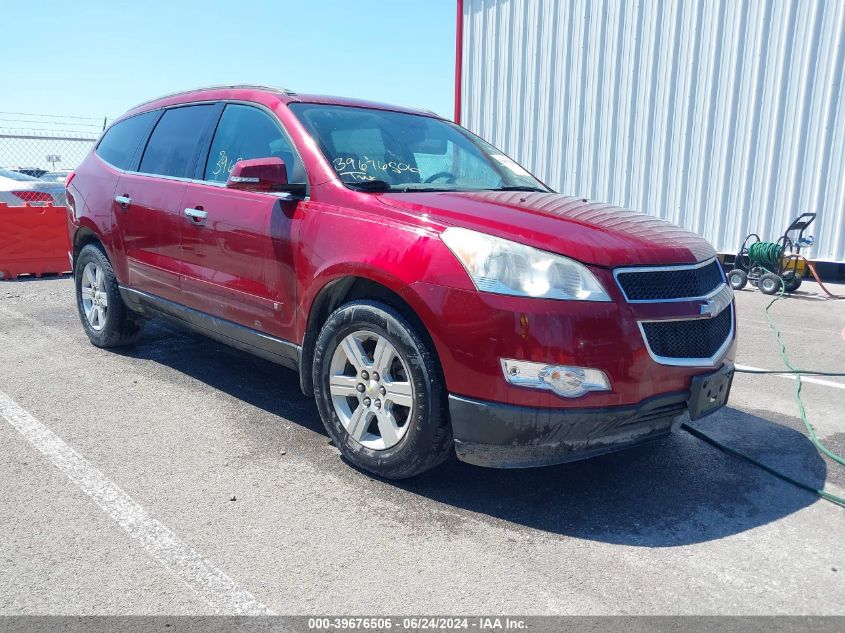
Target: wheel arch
[[336, 293], [83, 236]]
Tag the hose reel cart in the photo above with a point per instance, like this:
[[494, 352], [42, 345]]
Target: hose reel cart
[[770, 265]]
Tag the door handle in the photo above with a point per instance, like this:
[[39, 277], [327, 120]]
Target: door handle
[[196, 216], [124, 201]]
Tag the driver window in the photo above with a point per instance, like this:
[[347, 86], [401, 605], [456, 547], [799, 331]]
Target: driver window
[[245, 132]]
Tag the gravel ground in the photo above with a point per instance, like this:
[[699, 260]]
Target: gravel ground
[[223, 452]]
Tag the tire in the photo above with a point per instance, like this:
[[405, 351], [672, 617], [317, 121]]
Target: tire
[[770, 284], [738, 279], [398, 426], [793, 283], [111, 323]]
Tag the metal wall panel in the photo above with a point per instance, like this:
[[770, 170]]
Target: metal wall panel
[[724, 116]]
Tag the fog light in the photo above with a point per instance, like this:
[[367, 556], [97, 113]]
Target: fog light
[[569, 382]]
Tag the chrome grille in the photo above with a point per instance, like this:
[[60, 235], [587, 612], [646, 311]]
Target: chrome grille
[[670, 283], [699, 339]]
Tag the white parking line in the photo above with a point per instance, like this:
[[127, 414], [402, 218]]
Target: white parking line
[[812, 379], [209, 582]]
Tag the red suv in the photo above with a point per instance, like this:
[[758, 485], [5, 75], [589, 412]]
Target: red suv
[[434, 296]]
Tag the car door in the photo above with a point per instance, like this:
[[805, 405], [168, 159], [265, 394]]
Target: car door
[[237, 246], [147, 201]]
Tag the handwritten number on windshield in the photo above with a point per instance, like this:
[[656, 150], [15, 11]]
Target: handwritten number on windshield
[[363, 169]]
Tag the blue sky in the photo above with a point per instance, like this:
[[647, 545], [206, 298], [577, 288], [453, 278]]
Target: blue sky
[[93, 58]]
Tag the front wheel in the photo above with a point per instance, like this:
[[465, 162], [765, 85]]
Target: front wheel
[[738, 279], [770, 284], [379, 391]]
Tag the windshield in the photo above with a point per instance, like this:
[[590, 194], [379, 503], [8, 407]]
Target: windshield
[[378, 150]]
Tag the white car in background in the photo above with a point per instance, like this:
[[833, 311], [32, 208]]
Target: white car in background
[[55, 176], [17, 188]]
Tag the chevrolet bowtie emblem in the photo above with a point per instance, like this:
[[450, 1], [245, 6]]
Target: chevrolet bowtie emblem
[[717, 303]]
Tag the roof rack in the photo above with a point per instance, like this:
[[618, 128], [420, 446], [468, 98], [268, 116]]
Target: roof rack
[[284, 91]]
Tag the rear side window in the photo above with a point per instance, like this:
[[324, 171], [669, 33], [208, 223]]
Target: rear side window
[[171, 150], [243, 133], [121, 140]]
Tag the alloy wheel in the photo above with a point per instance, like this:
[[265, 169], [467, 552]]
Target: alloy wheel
[[95, 300], [370, 388]]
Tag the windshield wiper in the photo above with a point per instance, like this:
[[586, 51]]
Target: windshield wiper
[[369, 185], [520, 188], [379, 186]]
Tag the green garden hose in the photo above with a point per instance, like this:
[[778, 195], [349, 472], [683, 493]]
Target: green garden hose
[[766, 255], [805, 372], [732, 451], [797, 393], [765, 251]]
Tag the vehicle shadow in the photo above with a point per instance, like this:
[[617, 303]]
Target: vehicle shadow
[[671, 492], [253, 380]]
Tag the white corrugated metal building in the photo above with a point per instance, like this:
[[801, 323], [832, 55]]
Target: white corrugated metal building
[[724, 116]]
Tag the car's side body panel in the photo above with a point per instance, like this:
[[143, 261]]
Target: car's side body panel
[[239, 263], [148, 228], [364, 241], [90, 195]]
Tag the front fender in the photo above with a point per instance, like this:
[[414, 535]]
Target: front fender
[[338, 242]]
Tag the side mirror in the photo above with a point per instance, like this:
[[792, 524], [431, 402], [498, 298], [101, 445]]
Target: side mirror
[[258, 174]]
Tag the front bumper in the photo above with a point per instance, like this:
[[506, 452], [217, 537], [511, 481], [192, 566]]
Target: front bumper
[[507, 436], [473, 331]]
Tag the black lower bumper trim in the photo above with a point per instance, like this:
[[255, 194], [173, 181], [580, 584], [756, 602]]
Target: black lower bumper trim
[[507, 436]]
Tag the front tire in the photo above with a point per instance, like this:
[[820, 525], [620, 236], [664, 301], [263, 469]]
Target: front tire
[[107, 320], [770, 284], [738, 279], [379, 392]]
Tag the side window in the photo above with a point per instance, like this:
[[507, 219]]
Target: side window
[[121, 140], [171, 150], [243, 133]]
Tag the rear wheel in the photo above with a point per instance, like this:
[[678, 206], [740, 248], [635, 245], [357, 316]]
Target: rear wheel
[[793, 282], [379, 391], [106, 319]]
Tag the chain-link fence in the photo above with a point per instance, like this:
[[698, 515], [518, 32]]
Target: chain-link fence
[[38, 151]]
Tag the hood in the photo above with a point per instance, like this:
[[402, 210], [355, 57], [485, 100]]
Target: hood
[[590, 232]]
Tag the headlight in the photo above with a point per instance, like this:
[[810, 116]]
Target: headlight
[[508, 268]]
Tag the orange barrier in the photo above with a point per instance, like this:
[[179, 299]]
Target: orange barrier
[[33, 240]]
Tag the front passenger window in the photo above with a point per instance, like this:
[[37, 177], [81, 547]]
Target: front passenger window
[[172, 148], [243, 133]]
